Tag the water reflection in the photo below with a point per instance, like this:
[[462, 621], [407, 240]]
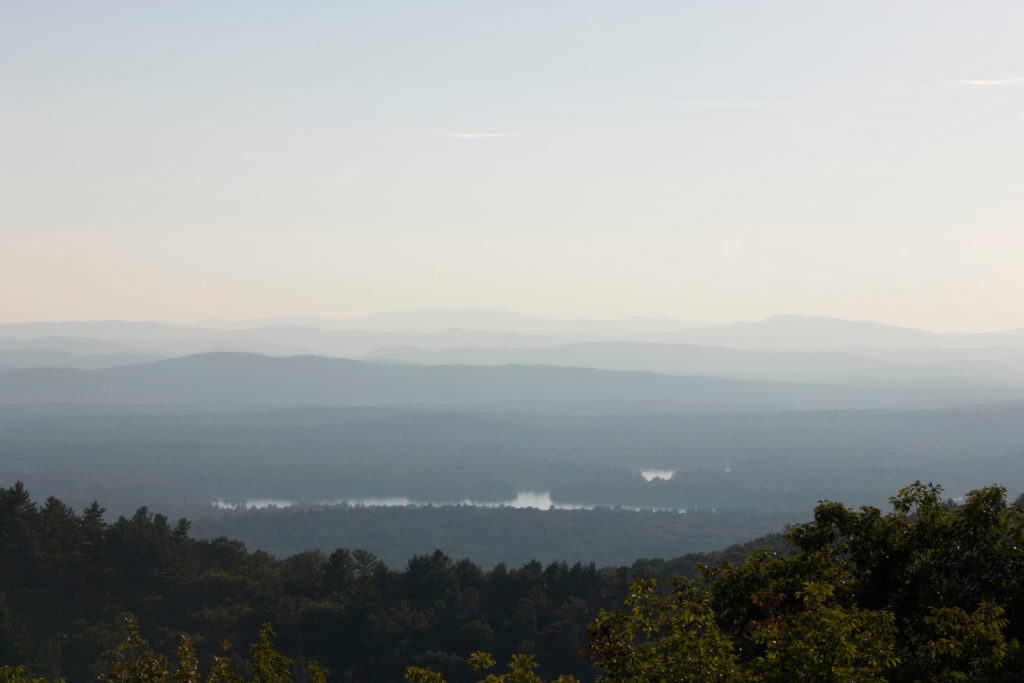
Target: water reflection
[[253, 503], [524, 499], [651, 475], [539, 500]]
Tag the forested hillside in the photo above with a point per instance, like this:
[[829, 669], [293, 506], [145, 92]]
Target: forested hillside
[[69, 580], [494, 535], [928, 591]]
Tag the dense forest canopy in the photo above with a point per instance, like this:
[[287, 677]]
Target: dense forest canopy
[[930, 590]]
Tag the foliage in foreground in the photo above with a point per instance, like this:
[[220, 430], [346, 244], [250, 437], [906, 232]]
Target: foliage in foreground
[[931, 591], [520, 670], [134, 661], [68, 580], [928, 591]]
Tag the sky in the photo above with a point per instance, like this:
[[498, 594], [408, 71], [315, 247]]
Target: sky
[[709, 161]]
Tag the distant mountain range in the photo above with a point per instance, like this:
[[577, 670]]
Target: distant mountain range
[[436, 319], [176, 340], [791, 348], [238, 379], [688, 359], [52, 358], [442, 328], [817, 333]]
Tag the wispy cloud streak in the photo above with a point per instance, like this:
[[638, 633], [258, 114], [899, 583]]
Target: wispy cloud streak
[[476, 136], [694, 104], [993, 81]]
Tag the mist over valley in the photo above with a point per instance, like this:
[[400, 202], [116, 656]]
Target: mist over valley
[[755, 430], [477, 342]]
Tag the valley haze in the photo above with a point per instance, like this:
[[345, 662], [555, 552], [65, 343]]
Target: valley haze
[[755, 421], [466, 287]]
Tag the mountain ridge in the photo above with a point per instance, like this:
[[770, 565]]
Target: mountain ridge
[[253, 379]]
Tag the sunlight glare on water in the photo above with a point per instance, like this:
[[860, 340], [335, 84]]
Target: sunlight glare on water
[[651, 475], [540, 500]]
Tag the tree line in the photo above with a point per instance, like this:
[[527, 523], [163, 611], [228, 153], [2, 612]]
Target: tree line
[[70, 581], [929, 590]]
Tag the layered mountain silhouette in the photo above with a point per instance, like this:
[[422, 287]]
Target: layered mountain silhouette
[[250, 379], [688, 359], [786, 348]]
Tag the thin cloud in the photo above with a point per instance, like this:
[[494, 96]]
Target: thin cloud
[[477, 136], [694, 104], [993, 81]]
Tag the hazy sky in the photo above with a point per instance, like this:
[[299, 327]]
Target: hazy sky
[[712, 161]]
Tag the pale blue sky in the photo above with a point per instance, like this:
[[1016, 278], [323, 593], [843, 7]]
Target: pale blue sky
[[712, 161]]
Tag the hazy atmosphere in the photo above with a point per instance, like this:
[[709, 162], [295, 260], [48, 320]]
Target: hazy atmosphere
[[662, 341], [706, 161]]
